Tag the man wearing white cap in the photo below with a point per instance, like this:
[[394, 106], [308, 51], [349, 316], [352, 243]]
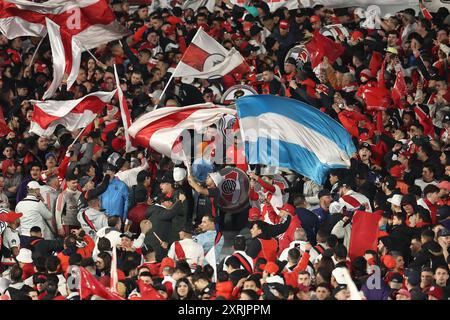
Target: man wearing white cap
[[396, 202], [207, 203], [35, 213]]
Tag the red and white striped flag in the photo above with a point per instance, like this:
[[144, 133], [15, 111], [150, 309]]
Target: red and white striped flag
[[73, 26], [205, 58], [124, 113], [160, 129], [72, 114]]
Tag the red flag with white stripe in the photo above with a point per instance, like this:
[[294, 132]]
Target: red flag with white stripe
[[73, 26], [205, 58], [125, 114], [72, 114], [160, 129]]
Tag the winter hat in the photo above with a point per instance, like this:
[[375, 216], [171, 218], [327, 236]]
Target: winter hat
[[216, 177]]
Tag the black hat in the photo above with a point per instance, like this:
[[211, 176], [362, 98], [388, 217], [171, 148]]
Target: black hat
[[397, 278], [390, 182], [291, 60], [443, 233], [339, 288], [365, 145], [187, 229], [270, 42], [120, 162], [413, 277], [167, 178], [128, 235], [323, 193], [255, 29], [250, 48], [409, 199]]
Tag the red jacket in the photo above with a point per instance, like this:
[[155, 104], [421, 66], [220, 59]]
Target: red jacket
[[287, 237]]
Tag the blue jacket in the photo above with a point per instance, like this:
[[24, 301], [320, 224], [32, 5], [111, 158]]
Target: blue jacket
[[115, 199]]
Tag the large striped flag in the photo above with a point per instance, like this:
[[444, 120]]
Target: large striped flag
[[124, 113], [73, 26], [205, 58], [286, 133], [72, 114], [160, 129]]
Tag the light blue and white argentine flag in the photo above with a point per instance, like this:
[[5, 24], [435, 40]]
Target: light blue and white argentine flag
[[287, 133]]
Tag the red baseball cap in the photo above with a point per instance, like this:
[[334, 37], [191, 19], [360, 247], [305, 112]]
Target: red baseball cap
[[289, 208], [314, 19], [247, 26], [10, 217], [397, 171], [254, 214], [444, 185], [388, 261], [284, 24], [357, 35], [271, 267], [167, 262]]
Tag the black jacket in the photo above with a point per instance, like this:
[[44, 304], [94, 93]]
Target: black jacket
[[270, 231], [430, 255], [161, 219], [44, 248]]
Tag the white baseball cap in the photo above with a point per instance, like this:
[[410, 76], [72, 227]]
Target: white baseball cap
[[24, 256], [33, 185], [179, 174], [216, 177], [396, 200]]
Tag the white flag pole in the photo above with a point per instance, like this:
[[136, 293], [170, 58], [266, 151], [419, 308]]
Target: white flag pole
[[36, 50], [175, 71]]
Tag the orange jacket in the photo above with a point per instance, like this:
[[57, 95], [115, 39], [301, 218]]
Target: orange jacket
[[85, 252]]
